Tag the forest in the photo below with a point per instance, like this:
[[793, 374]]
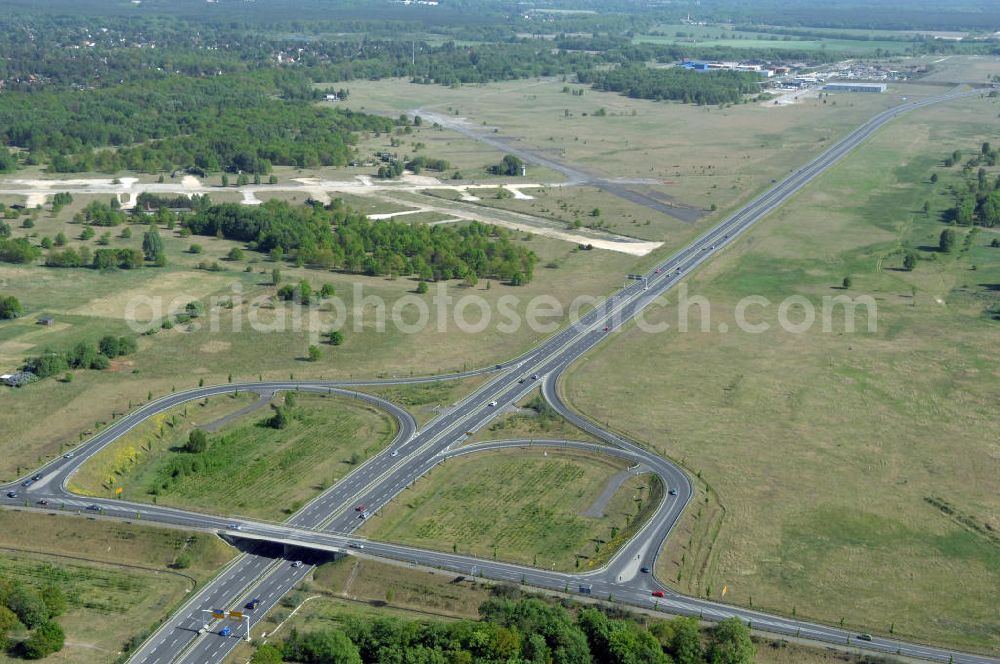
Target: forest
[[189, 88], [222, 123], [518, 631], [716, 87], [336, 237]]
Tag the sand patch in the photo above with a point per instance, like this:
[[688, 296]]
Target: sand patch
[[518, 194], [34, 200], [250, 197], [422, 180], [391, 215], [320, 195], [790, 97], [191, 182]]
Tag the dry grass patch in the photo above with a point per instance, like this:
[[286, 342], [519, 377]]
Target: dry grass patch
[[521, 505], [828, 449]]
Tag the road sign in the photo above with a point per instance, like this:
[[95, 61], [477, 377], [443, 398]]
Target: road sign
[[236, 615], [218, 614]]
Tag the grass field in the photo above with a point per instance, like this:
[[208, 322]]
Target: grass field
[[117, 577], [261, 472], [87, 304], [528, 422], [467, 157], [960, 68], [737, 151], [703, 155], [857, 471], [426, 400], [576, 206], [521, 506]]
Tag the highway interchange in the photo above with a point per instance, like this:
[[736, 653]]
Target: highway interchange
[[327, 523]]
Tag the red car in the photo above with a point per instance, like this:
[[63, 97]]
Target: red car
[[657, 593], [359, 508]]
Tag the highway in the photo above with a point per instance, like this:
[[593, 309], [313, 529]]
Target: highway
[[328, 522]]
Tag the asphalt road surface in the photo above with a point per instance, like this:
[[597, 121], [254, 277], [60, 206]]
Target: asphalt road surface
[[328, 522]]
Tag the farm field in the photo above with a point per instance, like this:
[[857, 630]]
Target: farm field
[[857, 470], [262, 472], [118, 578], [521, 506]]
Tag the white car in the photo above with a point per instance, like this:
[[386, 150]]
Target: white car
[[493, 404]]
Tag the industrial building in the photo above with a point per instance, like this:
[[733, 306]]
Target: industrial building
[[846, 86], [727, 66]]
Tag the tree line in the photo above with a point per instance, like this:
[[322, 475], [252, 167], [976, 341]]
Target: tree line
[[83, 355], [518, 631], [713, 87], [335, 237], [330, 237]]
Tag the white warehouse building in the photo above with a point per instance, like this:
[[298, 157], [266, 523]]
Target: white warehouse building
[[847, 86]]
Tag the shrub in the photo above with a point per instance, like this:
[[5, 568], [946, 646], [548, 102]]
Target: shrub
[[48, 638], [197, 442]]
